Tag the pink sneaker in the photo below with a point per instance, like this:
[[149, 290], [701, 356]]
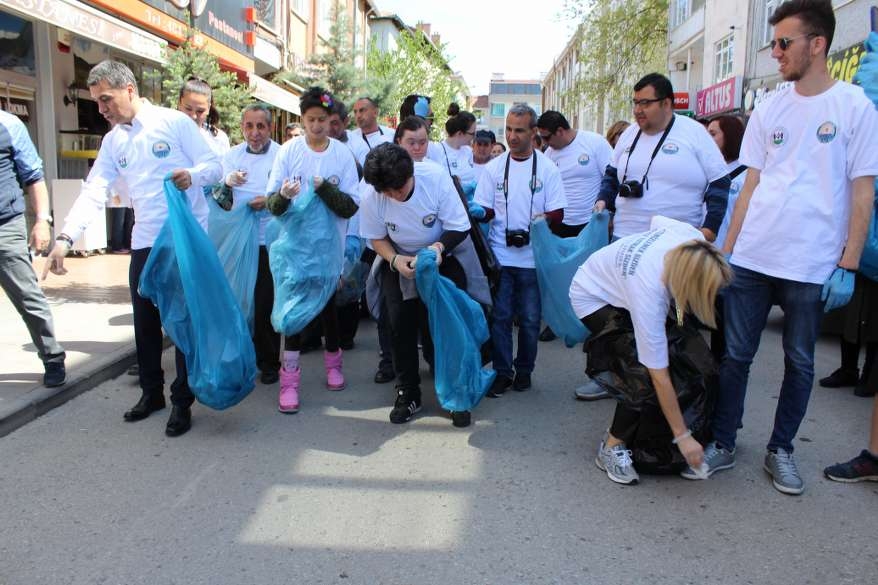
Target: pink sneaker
[[334, 377], [288, 399]]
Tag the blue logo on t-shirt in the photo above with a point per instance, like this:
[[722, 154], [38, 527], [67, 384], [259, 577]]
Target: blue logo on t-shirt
[[429, 220], [391, 226], [333, 180], [779, 136], [538, 185], [670, 148], [123, 162], [161, 149], [826, 132], [583, 159]]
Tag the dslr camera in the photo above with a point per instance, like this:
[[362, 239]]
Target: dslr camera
[[631, 188], [517, 238]]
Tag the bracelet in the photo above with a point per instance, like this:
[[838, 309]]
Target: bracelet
[[392, 261], [66, 239], [682, 436]]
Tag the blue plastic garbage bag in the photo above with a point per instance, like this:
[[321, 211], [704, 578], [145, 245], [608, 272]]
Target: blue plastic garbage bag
[[306, 263], [184, 278], [458, 328], [869, 259], [235, 234], [353, 275], [557, 260]]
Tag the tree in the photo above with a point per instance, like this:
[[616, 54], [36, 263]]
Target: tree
[[229, 96], [416, 66], [334, 67], [620, 43]]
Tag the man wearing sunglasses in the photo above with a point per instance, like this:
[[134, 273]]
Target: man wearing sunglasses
[[797, 230]]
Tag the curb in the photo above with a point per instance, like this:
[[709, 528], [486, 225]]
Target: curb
[[41, 400]]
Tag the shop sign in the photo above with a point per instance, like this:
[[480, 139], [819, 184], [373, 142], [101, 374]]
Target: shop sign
[[843, 64], [17, 107], [721, 97], [86, 21], [681, 100], [222, 20]]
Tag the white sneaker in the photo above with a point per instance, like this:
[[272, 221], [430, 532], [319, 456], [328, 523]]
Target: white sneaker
[[616, 461]]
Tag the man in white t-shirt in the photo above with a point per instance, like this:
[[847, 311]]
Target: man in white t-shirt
[[368, 131], [513, 189], [797, 230], [664, 165], [582, 157], [245, 175]]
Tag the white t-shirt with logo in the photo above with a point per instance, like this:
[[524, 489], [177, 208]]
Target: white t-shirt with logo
[[295, 161], [548, 195], [627, 274], [419, 221], [734, 190], [687, 162], [582, 164], [808, 150], [258, 167], [372, 139], [456, 161]]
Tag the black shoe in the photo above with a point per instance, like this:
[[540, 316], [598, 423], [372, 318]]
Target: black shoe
[[346, 344], [501, 384], [461, 419], [384, 375], [840, 378], [133, 370], [56, 374], [144, 407], [547, 334], [522, 382], [179, 422], [269, 377], [406, 405]]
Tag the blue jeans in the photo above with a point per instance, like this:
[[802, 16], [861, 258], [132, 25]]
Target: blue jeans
[[517, 294], [747, 303]]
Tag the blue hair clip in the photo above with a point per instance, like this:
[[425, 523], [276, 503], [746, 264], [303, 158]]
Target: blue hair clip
[[422, 107]]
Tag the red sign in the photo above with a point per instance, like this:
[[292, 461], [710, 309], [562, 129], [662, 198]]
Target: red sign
[[722, 97], [681, 100]]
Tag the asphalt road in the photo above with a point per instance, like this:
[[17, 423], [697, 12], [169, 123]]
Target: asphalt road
[[337, 494]]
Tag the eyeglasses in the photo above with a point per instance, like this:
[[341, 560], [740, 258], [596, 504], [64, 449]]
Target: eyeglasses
[[785, 42], [644, 103]]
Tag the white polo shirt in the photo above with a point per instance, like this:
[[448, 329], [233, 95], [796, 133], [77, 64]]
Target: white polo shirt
[[433, 207], [548, 195], [295, 161], [258, 167], [808, 150], [582, 164], [158, 141], [687, 162], [627, 274]]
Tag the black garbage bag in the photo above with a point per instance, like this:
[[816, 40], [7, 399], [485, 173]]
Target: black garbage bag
[[612, 363]]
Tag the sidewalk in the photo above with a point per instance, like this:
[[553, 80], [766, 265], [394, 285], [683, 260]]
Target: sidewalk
[[92, 310]]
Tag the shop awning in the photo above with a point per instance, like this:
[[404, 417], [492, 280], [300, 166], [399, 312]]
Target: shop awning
[[274, 95]]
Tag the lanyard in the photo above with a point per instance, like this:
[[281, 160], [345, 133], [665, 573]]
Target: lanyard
[[448, 164], [533, 186], [654, 152], [366, 140]]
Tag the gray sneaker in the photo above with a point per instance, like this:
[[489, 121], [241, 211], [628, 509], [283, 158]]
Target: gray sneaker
[[616, 461], [784, 472], [591, 391], [716, 459]]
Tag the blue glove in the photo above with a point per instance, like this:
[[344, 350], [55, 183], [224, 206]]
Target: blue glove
[[838, 290], [352, 249], [470, 190], [477, 211], [867, 73]]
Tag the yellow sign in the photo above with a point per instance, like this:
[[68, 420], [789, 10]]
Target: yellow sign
[[843, 64]]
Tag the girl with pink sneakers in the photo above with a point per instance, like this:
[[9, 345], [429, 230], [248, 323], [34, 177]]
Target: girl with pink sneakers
[[314, 156]]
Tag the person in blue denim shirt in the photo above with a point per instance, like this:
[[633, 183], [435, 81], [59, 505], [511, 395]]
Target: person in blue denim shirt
[[21, 166]]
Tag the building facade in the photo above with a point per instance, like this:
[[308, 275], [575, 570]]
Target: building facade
[[503, 94]]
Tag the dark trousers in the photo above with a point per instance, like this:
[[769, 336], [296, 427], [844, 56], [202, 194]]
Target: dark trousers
[[407, 318], [329, 320], [148, 338], [121, 224], [266, 340], [348, 321]]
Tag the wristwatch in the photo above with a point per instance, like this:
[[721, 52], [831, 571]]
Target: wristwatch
[[47, 217]]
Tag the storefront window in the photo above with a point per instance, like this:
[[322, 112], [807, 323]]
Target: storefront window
[[17, 45]]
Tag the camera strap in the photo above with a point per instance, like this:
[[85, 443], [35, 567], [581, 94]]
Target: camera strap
[[654, 152], [366, 140], [533, 187]]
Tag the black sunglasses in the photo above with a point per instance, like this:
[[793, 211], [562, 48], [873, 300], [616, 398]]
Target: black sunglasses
[[785, 42]]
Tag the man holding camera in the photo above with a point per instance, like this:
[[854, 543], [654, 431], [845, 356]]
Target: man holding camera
[[664, 165], [514, 188]]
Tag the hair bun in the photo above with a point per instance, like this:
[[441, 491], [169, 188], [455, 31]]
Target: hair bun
[[453, 110]]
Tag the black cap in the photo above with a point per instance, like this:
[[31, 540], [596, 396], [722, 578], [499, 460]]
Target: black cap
[[485, 136]]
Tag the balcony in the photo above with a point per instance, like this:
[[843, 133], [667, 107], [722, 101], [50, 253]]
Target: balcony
[[687, 31]]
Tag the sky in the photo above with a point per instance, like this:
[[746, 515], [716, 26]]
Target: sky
[[519, 39]]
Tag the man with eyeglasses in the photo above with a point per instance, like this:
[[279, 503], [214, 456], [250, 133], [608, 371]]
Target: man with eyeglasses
[[797, 229]]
